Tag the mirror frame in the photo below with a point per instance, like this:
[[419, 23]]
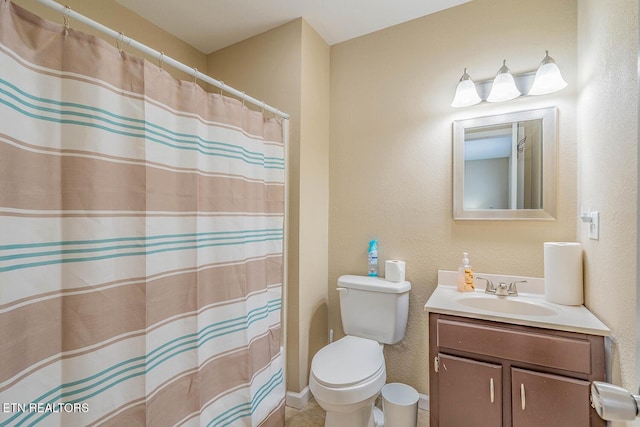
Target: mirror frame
[[549, 118]]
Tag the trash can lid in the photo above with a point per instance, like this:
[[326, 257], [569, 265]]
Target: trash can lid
[[400, 394]]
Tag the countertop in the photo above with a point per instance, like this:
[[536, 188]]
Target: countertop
[[572, 318]]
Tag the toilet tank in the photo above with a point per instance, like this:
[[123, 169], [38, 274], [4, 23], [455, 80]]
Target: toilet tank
[[374, 308]]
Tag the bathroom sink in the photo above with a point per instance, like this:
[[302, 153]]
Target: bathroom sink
[[506, 305], [528, 308]]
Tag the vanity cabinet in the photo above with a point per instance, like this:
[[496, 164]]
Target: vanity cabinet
[[486, 373]]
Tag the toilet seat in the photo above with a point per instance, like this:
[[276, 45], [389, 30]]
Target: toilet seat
[[347, 362]]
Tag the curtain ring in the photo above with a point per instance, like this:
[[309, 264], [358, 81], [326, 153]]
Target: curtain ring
[[195, 75], [221, 87], [5, 4], [264, 106], [244, 95], [161, 60], [66, 18], [120, 41]]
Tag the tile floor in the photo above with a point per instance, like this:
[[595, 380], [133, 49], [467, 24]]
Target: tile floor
[[311, 415]]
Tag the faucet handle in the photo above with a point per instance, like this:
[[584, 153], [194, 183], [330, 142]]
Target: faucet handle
[[491, 288], [513, 290]]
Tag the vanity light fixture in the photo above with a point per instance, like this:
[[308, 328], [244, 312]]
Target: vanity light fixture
[[466, 92], [506, 86], [548, 78]]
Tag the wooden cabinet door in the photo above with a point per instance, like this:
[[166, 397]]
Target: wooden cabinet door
[[548, 400], [470, 393]]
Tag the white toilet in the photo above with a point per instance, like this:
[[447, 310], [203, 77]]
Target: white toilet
[[348, 374]]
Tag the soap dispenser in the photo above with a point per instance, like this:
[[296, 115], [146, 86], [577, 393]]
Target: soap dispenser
[[465, 275]]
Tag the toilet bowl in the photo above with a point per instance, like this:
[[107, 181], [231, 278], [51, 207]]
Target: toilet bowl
[[346, 377]]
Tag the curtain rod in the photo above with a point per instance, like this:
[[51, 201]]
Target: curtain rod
[[68, 13]]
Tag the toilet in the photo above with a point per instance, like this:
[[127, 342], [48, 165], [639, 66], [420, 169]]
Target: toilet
[[348, 374]]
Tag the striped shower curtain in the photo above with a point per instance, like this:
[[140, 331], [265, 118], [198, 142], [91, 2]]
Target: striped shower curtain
[[141, 241]]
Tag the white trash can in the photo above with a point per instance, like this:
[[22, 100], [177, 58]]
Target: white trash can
[[400, 405]]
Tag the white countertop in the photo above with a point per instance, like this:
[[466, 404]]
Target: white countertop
[[573, 318]]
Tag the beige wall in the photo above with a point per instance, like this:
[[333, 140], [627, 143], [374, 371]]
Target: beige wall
[[391, 151], [314, 199], [113, 15], [288, 67], [608, 170]]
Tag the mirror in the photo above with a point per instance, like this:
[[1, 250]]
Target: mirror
[[504, 166]]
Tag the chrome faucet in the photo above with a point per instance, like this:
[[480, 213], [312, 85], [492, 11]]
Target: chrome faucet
[[502, 289]]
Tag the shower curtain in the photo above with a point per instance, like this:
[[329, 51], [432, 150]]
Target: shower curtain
[[141, 241]]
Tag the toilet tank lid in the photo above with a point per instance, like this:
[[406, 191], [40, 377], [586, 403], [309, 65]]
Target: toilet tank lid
[[374, 284]]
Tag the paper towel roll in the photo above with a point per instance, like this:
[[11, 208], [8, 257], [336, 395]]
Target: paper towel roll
[[563, 273], [394, 270]]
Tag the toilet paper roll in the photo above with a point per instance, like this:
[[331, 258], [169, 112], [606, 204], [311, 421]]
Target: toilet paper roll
[[563, 273], [394, 270]]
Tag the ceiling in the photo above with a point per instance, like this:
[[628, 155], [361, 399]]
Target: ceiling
[[209, 25]]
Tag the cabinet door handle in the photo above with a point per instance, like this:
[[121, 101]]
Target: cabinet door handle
[[523, 397], [491, 391]]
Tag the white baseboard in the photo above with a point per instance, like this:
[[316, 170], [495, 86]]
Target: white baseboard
[[298, 400]]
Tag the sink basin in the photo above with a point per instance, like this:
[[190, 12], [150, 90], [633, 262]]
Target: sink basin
[[506, 305]]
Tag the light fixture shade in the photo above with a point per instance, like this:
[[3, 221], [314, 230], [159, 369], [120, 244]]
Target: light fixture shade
[[466, 92], [548, 78], [504, 86]]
